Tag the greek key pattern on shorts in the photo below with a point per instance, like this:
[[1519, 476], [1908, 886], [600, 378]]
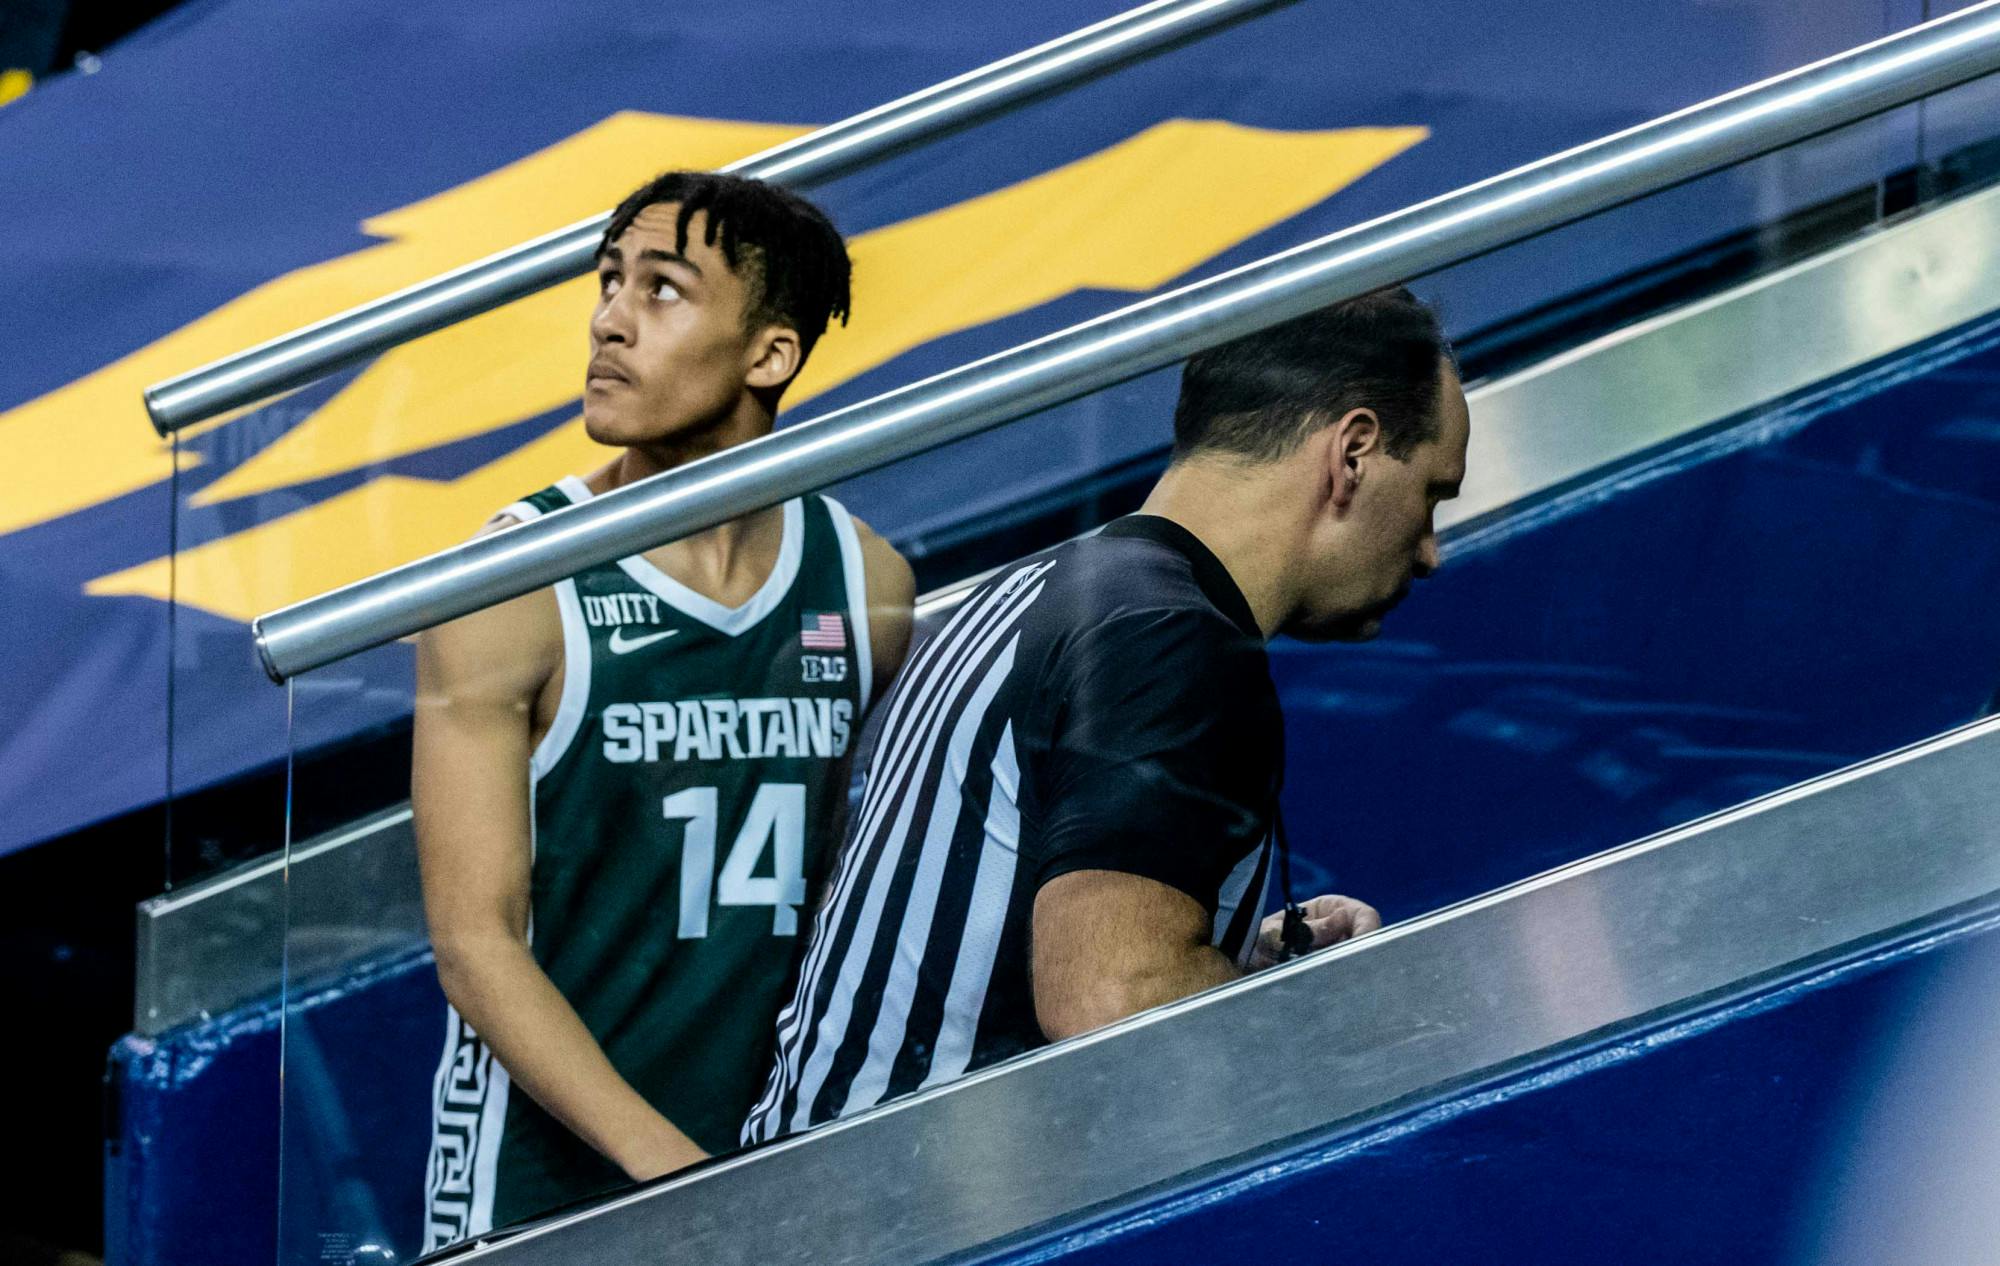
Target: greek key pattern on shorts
[[463, 1081]]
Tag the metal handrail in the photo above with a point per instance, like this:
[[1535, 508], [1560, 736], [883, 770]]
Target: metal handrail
[[1144, 336], [839, 149], [1866, 863]]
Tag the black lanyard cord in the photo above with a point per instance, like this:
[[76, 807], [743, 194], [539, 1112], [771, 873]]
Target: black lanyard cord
[[1294, 937]]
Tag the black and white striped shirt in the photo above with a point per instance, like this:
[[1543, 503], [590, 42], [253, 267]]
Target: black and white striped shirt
[[1105, 705]]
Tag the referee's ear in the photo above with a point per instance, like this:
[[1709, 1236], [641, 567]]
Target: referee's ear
[[1356, 437]]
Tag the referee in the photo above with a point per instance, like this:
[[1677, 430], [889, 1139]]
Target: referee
[[1068, 817]]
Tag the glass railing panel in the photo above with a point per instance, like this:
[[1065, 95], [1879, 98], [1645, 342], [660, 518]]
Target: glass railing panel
[[234, 553], [1725, 605], [362, 1014]]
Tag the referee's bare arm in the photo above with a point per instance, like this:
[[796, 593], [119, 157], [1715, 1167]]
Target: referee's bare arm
[[478, 679], [1106, 945]]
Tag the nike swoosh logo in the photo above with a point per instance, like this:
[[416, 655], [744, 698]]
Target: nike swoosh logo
[[620, 644]]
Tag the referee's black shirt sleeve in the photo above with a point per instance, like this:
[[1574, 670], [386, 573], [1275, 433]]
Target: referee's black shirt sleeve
[[1166, 748]]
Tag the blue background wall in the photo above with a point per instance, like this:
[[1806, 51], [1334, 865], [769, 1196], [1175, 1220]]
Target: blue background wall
[[220, 150]]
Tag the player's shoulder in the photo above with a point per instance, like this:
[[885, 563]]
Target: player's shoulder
[[888, 573], [565, 492], [521, 637]]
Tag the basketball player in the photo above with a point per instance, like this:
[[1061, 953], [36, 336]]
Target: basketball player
[[1069, 812], [627, 786]]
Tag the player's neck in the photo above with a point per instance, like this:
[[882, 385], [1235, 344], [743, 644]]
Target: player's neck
[[1219, 502], [747, 421], [728, 562]]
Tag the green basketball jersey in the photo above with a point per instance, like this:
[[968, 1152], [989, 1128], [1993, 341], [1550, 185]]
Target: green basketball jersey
[[686, 800]]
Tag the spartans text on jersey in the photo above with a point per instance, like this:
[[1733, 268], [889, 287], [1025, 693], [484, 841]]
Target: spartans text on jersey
[[726, 729]]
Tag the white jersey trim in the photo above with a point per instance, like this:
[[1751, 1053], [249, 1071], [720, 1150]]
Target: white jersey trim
[[576, 648], [468, 1116], [857, 595], [486, 1165], [575, 489], [439, 1227], [696, 606], [576, 683], [731, 620]]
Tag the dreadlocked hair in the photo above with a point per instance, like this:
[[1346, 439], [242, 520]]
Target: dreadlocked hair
[[783, 247]]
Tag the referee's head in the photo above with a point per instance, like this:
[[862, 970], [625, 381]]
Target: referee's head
[[1343, 429]]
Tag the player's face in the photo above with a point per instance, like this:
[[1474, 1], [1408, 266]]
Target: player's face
[[1389, 539], [669, 349]]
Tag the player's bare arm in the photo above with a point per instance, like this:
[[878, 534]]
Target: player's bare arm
[[892, 595], [481, 682], [1106, 945]]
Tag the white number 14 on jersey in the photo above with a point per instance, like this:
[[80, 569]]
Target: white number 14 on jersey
[[778, 817]]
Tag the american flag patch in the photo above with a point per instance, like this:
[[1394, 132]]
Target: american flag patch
[[823, 631]]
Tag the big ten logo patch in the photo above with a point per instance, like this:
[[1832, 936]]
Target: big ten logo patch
[[824, 668]]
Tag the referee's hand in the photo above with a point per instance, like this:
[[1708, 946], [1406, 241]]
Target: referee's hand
[[1331, 919]]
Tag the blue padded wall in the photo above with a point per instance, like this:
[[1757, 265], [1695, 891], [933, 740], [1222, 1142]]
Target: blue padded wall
[[191, 1158], [1718, 1138], [192, 1167]]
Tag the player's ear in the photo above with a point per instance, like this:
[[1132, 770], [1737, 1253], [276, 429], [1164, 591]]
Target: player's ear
[[1355, 438], [775, 357]]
